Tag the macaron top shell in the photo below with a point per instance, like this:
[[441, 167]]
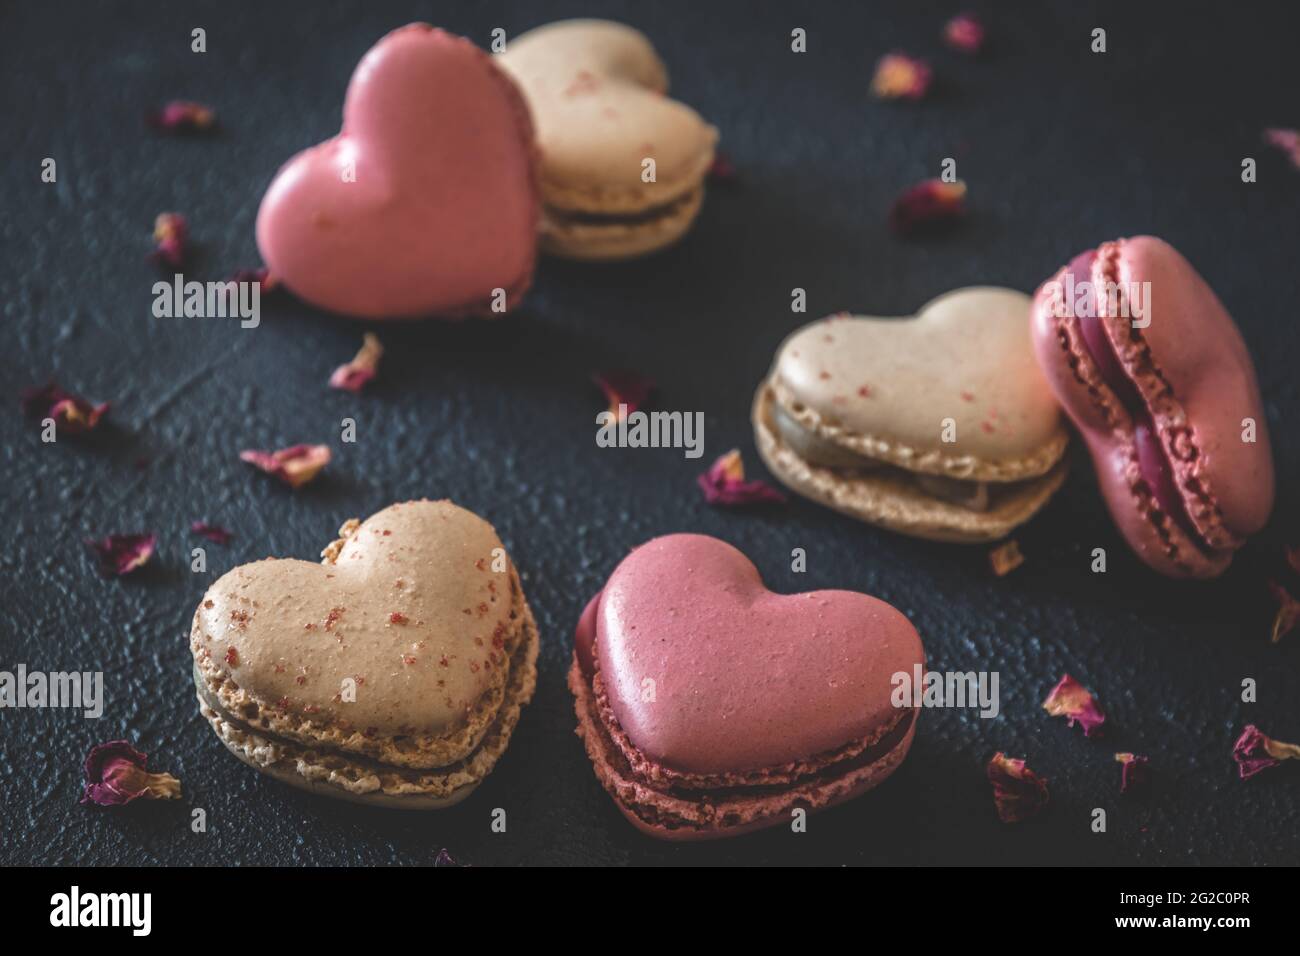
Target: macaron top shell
[[886, 387], [596, 90], [708, 672], [408, 608], [425, 202]]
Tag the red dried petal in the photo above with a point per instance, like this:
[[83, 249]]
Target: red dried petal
[[901, 77], [625, 391], [72, 414], [214, 533], [171, 235], [261, 275], [928, 207], [1018, 792], [115, 775], [1133, 771], [1255, 751], [183, 116], [295, 466], [1006, 557], [1071, 700], [120, 554], [444, 858], [724, 484], [964, 32], [1287, 140], [1288, 611], [1293, 557], [353, 375]]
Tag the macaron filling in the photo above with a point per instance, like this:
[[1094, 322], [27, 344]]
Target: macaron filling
[[561, 218], [665, 799], [823, 453], [1153, 461]]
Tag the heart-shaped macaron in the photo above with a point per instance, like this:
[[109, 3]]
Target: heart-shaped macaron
[[426, 201], [939, 425], [597, 92], [392, 672], [711, 706]]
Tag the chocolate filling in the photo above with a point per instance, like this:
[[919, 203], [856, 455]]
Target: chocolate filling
[[1153, 462], [823, 453], [652, 214]]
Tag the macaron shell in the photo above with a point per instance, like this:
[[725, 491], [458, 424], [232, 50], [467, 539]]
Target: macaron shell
[[892, 500], [887, 387], [443, 206], [281, 635], [741, 678], [596, 91], [1195, 355]]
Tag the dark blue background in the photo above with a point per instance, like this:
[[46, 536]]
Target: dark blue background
[[1061, 149]]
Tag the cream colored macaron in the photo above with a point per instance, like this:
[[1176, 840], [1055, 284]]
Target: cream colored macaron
[[938, 425], [392, 673], [623, 166]]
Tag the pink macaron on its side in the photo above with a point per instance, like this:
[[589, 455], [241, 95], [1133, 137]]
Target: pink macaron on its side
[[1152, 370], [711, 706], [426, 203]]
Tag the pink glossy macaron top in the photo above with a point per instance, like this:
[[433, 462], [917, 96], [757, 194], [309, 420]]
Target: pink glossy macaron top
[[1164, 400], [708, 672], [425, 202]]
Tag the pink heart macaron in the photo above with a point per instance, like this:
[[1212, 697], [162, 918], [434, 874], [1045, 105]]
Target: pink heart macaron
[[425, 203], [1151, 368], [711, 706]]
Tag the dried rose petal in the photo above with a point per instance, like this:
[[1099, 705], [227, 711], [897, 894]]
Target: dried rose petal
[[214, 533], [722, 171], [1072, 700], [928, 207], [901, 77], [72, 414], [1288, 611], [1287, 140], [182, 116], [354, 375], [964, 32], [625, 391], [120, 554], [295, 466], [1018, 792], [171, 235], [1255, 751], [1006, 557], [724, 484], [1132, 772], [115, 775], [444, 858], [262, 276], [1293, 557]]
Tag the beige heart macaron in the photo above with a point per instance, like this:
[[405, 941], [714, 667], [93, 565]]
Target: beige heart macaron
[[939, 425], [596, 91], [391, 673]]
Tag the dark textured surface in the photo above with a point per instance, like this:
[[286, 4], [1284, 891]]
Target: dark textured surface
[[1061, 148]]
